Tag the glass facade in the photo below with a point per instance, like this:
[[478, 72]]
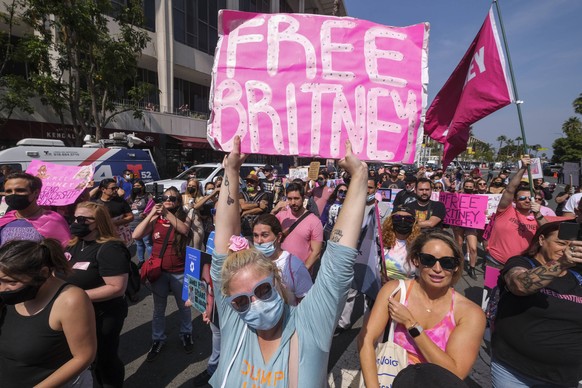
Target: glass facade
[[196, 22], [260, 6], [190, 97]]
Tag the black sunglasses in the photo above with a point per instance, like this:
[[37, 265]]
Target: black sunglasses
[[342, 191], [447, 262], [263, 290], [171, 198], [113, 188], [82, 219], [399, 217]]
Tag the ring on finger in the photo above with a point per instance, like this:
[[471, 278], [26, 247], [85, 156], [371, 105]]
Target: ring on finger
[[572, 249]]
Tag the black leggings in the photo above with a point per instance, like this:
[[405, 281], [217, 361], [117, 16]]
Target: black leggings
[[108, 369]]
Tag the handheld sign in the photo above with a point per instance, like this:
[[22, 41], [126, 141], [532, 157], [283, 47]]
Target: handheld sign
[[313, 171], [295, 84], [466, 210], [301, 173], [61, 185], [195, 288]]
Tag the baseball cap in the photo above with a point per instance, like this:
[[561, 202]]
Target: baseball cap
[[268, 167], [252, 177]]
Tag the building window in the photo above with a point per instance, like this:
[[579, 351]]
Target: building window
[[260, 6], [196, 22], [149, 15], [190, 98], [284, 7]]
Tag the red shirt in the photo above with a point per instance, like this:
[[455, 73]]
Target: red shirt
[[171, 262]]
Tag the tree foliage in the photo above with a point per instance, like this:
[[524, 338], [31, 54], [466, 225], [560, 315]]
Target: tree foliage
[[569, 148], [86, 61]]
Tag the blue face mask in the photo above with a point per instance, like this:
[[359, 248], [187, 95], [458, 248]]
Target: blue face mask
[[267, 248], [264, 314]]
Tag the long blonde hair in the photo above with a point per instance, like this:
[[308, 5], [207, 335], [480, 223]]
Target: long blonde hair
[[106, 231], [237, 261]]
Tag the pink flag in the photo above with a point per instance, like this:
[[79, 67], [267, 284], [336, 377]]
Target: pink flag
[[477, 88]]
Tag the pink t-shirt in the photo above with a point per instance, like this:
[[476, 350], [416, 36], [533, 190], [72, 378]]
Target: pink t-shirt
[[320, 195], [298, 243], [511, 234]]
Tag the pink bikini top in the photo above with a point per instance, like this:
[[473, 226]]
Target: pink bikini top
[[439, 333]]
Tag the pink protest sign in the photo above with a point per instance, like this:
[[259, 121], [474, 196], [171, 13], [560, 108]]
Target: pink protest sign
[[61, 185], [465, 210], [297, 84]]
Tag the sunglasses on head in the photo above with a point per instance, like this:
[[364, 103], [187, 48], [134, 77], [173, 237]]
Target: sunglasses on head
[[523, 198], [171, 198], [398, 217], [82, 219], [263, 290], [447, 263]]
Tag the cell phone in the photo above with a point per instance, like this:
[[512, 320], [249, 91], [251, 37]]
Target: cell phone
[[156, 191], [385, 194], [569, 231]]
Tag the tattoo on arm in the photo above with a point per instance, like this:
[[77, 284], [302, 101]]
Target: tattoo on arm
[[229, 200], [336, 235], [535, 279]]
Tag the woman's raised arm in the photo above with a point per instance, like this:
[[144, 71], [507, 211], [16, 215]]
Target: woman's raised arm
[[346, 230], [227, 219]]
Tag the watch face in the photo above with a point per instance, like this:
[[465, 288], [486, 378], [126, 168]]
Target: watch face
[[414, 332]]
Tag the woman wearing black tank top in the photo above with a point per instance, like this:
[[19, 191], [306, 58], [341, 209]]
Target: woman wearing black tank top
[[47, 327]]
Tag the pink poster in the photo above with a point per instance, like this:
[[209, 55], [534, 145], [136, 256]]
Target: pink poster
[[465, 210], [298, 84], [61, 185]]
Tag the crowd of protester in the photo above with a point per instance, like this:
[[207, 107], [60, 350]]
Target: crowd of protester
[[287, 259]]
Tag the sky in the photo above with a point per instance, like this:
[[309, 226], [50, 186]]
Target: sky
[[545, 45]]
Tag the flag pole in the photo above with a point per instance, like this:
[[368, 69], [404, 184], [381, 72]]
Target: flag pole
[[518, 102]]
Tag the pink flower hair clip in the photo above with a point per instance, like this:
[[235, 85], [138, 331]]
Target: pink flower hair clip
[[238, 243]]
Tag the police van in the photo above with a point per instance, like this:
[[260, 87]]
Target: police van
[[110, 156]]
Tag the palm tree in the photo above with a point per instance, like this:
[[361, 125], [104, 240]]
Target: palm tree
[[501, 139], [572, 125], [578, 104]]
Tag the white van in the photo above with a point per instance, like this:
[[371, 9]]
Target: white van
[[109, 162]]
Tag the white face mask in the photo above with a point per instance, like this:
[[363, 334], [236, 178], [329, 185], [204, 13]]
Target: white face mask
[[209, 191]]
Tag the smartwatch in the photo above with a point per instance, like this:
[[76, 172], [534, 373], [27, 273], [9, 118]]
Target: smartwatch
[[415, 330]]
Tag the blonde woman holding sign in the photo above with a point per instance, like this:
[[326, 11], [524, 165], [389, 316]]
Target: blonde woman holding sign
[[261, 333]]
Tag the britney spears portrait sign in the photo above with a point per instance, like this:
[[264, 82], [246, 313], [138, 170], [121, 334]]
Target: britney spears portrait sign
[[296, 84]]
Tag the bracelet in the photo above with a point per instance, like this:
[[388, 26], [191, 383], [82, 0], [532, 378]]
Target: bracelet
[[539, 216]]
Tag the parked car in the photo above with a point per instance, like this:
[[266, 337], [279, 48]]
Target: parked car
[[205, 172]]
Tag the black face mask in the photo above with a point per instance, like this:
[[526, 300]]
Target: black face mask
[[17, 202], [136, 190], [402, 227], [468, 191], [497, 184], [79, 230], [192, 190], [23, 294]]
